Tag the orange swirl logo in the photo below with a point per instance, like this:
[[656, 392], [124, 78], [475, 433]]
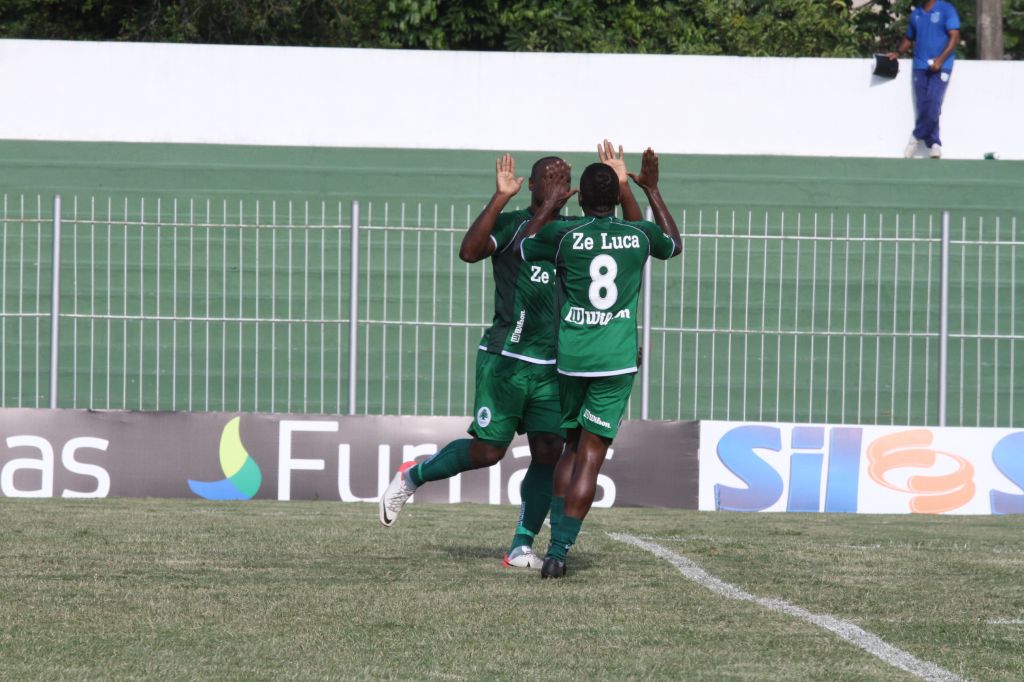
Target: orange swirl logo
[[909, 449]]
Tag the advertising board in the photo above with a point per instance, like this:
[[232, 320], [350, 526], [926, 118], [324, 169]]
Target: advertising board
[[866, 469], [223, 456]]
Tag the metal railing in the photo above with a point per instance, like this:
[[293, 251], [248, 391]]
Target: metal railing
[[778, 315]]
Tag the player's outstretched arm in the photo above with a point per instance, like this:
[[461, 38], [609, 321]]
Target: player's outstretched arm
[[477, 243], [648, 181], [606, 154]]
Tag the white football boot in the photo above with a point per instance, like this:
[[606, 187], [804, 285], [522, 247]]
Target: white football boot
[[394, 498], [523, 556]]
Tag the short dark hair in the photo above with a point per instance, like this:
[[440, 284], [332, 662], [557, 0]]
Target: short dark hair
[[540, 163], [599, 187]]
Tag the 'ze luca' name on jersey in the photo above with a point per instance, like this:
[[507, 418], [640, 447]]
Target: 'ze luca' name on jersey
[[583, 242]]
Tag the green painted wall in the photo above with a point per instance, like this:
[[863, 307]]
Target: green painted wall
[[452, 176]]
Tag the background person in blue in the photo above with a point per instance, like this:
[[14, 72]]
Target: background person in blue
[[934, 31]]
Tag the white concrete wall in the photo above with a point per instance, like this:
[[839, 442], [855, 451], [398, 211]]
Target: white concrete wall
[[472, 100]]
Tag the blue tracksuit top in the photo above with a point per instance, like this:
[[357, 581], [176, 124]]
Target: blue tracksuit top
[[930, 33]]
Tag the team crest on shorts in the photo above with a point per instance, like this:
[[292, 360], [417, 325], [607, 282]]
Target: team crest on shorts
[[483, 417]]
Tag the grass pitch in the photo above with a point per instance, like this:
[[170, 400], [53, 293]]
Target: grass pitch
[[183, 589]]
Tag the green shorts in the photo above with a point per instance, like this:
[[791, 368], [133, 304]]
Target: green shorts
[[596, 404], [513, 396]]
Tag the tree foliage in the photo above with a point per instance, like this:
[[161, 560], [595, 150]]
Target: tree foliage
[[784, 28], [1013, 33]]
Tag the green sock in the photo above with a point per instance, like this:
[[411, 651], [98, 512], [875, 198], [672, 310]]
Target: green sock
[[450, 460], [563, 536], [557, 509], [536, 493]]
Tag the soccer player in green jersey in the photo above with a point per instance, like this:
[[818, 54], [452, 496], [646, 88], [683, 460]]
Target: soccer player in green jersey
[[516, 382], [599, 262]]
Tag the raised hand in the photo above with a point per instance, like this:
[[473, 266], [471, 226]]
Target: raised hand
[[606, 155], [554, 183], [648, 177], [648, 180], [506, 182]]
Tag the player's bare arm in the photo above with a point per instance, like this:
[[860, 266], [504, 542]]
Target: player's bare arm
[[647, 179], [477, 243], [606, 154], [554, 191]]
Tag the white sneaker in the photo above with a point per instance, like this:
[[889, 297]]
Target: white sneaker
[[910, 151], [522, 556], [935, 151], [394, 498]]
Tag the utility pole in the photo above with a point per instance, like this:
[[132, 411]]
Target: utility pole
[[990, 29]]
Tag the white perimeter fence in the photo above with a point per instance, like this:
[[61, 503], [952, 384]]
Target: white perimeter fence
[[316, 307]]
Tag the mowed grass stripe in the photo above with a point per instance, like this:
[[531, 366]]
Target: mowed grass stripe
[[842, 628]]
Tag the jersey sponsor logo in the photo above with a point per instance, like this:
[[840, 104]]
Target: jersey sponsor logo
[[518, 331], [591, 417], [608, 242], [539, 275], [593, 318], [483, 417]]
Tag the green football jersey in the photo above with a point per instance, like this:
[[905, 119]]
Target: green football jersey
[[525, 324], [600, 263]]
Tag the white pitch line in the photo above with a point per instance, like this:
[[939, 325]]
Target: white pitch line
[[1005, 621], [873, 644]]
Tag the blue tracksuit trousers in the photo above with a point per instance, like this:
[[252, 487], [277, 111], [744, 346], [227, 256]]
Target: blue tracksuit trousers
[[929, 91]]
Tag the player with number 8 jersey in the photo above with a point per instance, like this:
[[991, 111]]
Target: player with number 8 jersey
[[599, 261]]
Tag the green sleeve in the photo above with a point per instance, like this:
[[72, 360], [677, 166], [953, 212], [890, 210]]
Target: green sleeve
[[662, 246], [504, 230], [544, 244]]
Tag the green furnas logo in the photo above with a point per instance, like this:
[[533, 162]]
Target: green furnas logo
[[243, 475]]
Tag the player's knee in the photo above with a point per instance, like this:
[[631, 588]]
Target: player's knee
[[486, 453], [487, 457], [546, 448]]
